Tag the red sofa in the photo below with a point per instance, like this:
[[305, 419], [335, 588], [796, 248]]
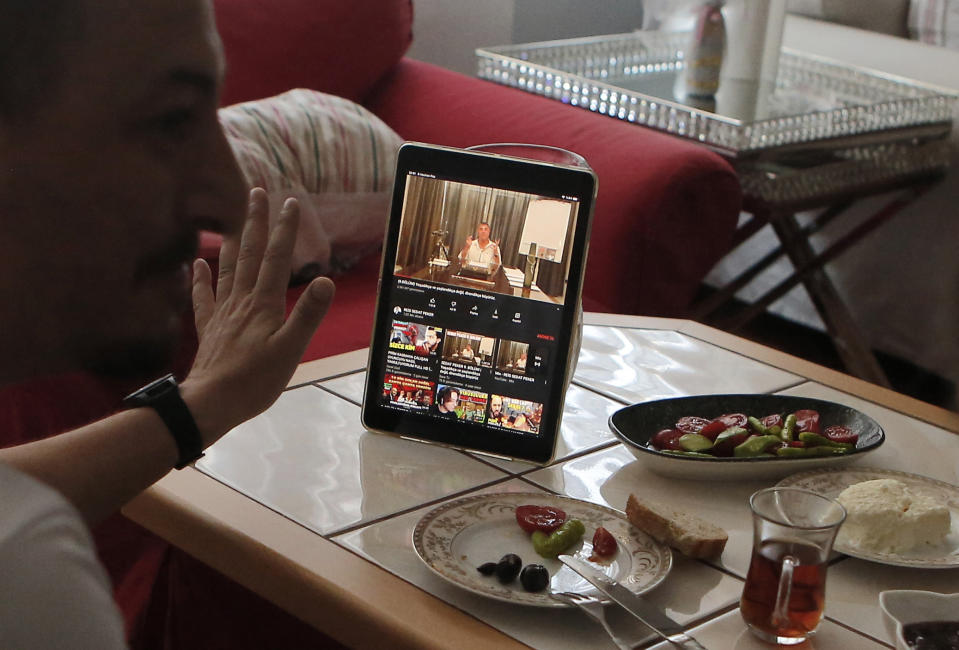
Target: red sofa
[[665, 211]]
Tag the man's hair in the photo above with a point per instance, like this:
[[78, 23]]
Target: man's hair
[[446, 393], [35, 38]]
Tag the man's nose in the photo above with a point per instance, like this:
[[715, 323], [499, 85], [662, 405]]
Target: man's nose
[[217, 191]]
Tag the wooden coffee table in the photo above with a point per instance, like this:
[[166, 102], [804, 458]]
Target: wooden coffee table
[[305, 508]]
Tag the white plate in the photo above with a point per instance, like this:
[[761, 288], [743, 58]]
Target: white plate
[[831, 482], [457, 537]]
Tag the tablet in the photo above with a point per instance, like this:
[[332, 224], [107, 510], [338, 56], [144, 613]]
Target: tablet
[[479, 295]]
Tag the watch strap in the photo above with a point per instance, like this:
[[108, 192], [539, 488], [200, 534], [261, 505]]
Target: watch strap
[[163, 396]]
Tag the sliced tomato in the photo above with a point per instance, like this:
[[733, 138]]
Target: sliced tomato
[[713, 429], [807, 420], [604, 544], [668, 439], [840, 433], [545, 518], [733, 419], [691, 424], [723, 422], [774, 420]]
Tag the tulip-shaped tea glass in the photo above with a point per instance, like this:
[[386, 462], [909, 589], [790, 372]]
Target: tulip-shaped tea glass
[[785, 591]]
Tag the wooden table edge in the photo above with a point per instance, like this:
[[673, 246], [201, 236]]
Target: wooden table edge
[[325, 585]]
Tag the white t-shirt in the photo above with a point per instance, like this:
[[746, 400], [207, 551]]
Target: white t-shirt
[[479, 255], [53, 591]]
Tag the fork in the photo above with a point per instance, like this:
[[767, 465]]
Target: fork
[[595, 610]]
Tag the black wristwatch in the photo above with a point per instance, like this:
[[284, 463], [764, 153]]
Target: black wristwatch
[[163, 396]]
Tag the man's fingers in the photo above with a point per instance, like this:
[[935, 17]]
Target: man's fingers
[[252, 241], [275, 270], [203, 300], [309, 311]]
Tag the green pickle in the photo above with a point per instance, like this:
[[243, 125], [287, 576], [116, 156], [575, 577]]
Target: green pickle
[[559, 540], [755, 446], [695, 442], [789, 427], [810, 452], [816, 440]]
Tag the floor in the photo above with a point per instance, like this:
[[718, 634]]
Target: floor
[[814, 345]]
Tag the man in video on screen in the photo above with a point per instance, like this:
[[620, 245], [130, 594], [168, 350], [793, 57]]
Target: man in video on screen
[[447, 400], [481, 250]]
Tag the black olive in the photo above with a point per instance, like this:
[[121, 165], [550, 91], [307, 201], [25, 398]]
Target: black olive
[[487, 569], [534, 577], [508, 567]]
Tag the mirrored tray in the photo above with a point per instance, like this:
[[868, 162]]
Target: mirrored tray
[[631, 77]]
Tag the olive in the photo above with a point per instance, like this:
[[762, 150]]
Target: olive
[[487, 569], [534, 577], [508, 567]]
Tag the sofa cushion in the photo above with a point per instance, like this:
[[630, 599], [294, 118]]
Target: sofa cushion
[[334, 156], [338, 47]]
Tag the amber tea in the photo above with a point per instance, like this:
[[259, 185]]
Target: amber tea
[[785, 591], [804, 605]]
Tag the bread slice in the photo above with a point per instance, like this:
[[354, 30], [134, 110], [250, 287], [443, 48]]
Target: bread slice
[[687, 533]]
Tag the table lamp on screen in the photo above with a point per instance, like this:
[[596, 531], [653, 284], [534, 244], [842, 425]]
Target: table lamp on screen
[[544, 235]]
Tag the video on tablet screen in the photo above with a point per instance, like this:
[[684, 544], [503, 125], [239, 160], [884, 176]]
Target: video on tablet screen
[[475, 304], [486, 238]]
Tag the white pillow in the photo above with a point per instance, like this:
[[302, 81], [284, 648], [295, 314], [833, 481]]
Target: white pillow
[[334, 156]]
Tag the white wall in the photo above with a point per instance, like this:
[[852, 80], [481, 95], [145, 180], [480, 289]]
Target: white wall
[[446, 32]]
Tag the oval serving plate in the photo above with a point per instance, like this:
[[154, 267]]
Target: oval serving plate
[[635, 425], [457, 537]]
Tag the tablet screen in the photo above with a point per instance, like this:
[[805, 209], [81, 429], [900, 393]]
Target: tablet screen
[[480, 286]]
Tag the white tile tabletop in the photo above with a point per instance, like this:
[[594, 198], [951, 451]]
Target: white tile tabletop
[[349, 386], [728, 632], [639, 365], [309, 458]]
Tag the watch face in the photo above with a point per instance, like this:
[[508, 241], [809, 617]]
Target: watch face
[[152, 390]]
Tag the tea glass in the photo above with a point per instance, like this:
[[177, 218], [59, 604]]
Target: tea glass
[[785, 591]]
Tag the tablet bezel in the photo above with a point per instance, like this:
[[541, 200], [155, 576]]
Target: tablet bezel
[[499, 171]]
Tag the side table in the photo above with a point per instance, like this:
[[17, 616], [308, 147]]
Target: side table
[[830, 135]]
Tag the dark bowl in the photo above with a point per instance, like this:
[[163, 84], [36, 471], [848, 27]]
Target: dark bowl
[[635, 425]]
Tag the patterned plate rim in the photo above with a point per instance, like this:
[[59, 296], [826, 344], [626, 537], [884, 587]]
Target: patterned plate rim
[[894, 559], [541, 599]]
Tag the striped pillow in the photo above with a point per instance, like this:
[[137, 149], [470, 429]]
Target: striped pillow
[[935, 22], [334, 156]]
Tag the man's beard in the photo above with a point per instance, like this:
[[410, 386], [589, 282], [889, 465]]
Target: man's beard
[[141, 359]]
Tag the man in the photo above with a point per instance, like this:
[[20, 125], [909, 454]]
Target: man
[[447, 399], [495, 414], [111, 161], [481, 250], [430, 343]]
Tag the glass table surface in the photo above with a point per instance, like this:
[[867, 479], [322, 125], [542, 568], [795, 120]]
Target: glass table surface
[[632, 77]]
